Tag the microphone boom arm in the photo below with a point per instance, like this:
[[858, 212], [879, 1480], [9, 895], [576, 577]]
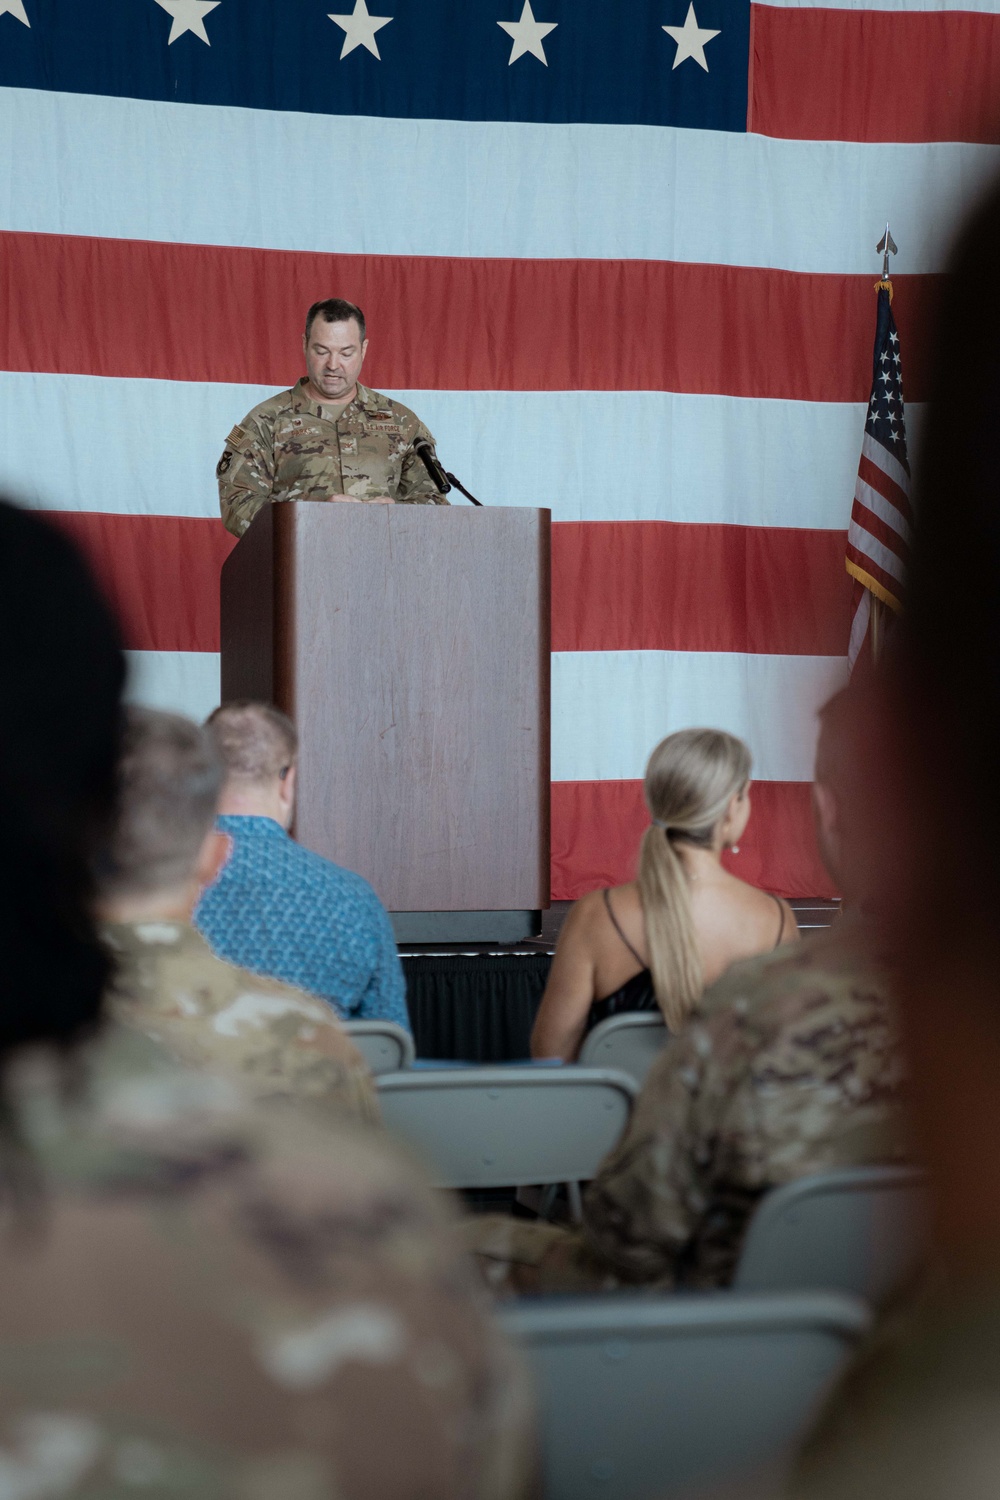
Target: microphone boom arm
[[458, 485], [441, 477]]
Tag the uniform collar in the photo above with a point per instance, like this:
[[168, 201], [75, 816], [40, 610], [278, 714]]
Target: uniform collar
[[130, 940], [370, 400], [366, 399]]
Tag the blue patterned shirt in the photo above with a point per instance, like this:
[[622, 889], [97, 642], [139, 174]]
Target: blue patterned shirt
[[280, 910]]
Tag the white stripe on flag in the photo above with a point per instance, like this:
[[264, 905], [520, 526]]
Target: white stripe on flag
[[150, 447], [609, 708], [184, 682], [884, 509], [135, 169], [868, 546], [884, 460]]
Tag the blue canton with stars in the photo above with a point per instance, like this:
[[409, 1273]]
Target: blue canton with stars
[[280, 910], [886, 419], [648, 62]]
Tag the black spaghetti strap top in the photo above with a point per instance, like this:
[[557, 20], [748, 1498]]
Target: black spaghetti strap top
[[637, 993]]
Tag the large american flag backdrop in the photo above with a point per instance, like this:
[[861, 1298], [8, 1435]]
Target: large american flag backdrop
[[618, 254]]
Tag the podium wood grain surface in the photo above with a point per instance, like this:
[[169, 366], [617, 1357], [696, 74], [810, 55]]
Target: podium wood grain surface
[[410, 644]]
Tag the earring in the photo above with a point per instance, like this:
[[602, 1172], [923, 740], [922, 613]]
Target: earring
[[734, 848]]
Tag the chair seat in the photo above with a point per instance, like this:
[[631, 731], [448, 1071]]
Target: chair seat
[[651, 1397], [385, 1047], [630, 1043], [508, 1127], [859, 1229]]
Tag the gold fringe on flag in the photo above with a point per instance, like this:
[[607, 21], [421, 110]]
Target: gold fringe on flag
[[873, 586]]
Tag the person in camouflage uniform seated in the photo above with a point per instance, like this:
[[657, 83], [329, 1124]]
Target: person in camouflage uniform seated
[[167, 981], [329, 437], [198, 1298], [205, 1301], [790, 1065]]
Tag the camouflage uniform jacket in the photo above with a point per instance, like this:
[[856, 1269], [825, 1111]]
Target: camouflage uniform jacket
[[286, 449], [200, 1299], [789, 1066], [208, 1013]]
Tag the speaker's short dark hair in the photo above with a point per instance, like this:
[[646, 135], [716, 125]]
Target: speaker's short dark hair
[[335, 310]]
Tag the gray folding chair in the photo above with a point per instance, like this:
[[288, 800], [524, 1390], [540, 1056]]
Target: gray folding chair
[[859, 1230], [385, 1047], [508, 1127], [652, 1397], [630, 1042]]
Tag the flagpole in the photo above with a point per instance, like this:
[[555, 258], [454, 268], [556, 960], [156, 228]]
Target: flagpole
[[887, 246]]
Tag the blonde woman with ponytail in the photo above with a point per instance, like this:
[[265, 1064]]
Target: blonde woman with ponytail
[[658, 941]]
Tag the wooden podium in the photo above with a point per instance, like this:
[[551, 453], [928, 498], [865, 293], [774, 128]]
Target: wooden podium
[[410, 644]]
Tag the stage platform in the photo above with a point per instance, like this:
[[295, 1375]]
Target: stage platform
[[477, 1003]]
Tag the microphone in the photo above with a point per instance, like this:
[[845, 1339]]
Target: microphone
[[425, 450], [444, 480]]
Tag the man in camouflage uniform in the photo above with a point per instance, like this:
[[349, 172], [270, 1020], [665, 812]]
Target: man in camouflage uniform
[[200, 1299], [329, 437], [789, 1066], [168, 983]]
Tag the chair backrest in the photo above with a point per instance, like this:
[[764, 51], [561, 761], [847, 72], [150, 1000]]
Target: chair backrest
[[508, 1127], [860, 1230], [647, 1398], [385, 1047], [630, 1042]]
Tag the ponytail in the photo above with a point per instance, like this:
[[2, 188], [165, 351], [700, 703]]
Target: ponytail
[[674, 960], [690, 780]]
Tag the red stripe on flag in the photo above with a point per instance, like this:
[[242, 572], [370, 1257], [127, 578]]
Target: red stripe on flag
[[616, 586], [663, 586], [596, 827], [880, 530], [874, 75], [128, 308], [886, 487], [160, 573], [892, 586]]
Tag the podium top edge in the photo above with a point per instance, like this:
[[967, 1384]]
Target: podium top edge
[[285, 512]]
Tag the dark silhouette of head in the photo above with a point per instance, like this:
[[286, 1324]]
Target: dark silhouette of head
[[61, 677], [926, 826]]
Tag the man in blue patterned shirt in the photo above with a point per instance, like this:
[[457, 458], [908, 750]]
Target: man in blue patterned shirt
[[279, 909]]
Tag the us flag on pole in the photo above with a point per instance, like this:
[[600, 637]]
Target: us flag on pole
[[878, 539]]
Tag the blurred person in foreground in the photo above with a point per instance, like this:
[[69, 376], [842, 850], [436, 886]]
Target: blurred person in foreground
[[919, 1418], [656, 942], [196, 1298], [168, 982], [789, 1065], [282, 910]]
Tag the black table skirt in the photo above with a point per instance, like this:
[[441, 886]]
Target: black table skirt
[[474, 1008]]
